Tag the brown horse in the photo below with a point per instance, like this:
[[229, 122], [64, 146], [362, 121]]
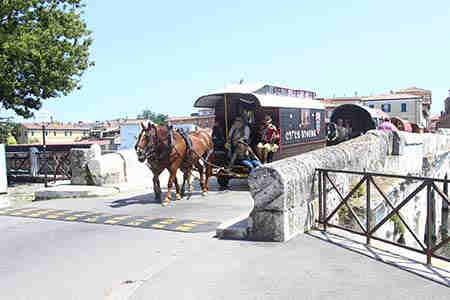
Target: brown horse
[[164, 148]]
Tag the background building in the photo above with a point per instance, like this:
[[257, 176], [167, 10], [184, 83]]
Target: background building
[[426, 98], [204, 121], [405, 106], [332, 103], [56, 133], [444, 120]]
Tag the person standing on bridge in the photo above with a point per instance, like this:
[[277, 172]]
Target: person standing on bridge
[[387, 126]]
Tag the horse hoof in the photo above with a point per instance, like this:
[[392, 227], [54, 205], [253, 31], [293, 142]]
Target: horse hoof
[[165, 203], [204, 193], [178, 197]]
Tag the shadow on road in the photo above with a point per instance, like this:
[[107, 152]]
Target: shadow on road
[[140, 199], [432, 273]]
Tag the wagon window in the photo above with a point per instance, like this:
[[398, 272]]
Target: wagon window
[[305, 117]]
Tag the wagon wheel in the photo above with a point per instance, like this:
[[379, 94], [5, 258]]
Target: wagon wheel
[[223, 181]]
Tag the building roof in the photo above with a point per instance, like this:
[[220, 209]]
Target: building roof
[[58, 126], [391, 97], [413, 89], [253, 93], [190, 117]]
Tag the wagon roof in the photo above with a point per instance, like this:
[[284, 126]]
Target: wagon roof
[[251, 92]]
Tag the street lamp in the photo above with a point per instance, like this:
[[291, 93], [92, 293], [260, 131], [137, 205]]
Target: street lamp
[[44, 151]]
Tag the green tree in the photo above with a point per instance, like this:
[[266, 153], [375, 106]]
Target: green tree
[[44, 50], [8, 132], [154, 117]]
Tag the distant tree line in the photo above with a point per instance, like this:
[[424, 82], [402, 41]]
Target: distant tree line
[[154, 117]]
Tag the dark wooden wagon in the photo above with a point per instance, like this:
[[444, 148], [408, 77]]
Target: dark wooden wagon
[[300, 119]]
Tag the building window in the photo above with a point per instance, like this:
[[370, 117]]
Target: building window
[[403, 107], [386, 107], [54, 132], [32, 133], [70, 132], [371, 105], [46, 133], [65, 132]]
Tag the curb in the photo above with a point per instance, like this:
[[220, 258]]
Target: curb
[[72, 191], [4, 201], [235, 229]]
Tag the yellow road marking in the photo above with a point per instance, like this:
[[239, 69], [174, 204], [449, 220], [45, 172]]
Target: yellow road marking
[[168, 221], [189, 224], [142, 220], [116, 220], [71, 218], [134, 223], [111, 221], [17, 214], [158, 225], [7, 209], [183, 228], [29, 209], [198, 222], [82, 215], [55, 216], [40, 213], [93, 219]]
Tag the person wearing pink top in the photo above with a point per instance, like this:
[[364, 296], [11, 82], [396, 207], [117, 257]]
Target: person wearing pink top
[[387, 126]]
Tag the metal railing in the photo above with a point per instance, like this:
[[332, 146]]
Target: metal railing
[[53, 160], [370, 226]]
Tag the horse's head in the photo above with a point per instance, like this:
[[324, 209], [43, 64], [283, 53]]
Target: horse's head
[[146, 141], [152, 142]]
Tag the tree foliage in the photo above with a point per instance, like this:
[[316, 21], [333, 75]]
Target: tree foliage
[[8, 132], [154, 117], [44, 50]]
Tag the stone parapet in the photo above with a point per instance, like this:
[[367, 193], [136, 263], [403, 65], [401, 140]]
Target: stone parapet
[[285, 192], [79, 159], [120, 168]]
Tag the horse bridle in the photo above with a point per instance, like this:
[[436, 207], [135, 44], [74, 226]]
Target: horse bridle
[[150, 150]]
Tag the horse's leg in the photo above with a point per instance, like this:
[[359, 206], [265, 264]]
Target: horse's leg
[[177, 188], [156, 185], [186, 181], [201, 172], [183, 186], [209, 172], [169, 190], [190, 182], [172, 179]]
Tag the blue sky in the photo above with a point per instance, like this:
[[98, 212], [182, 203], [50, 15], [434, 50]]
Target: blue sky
[[161, 55]]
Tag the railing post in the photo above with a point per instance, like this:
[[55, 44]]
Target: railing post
[[444, 211], [319, 180], [324, 192], [428, 224], [445, 203], [368, 209]]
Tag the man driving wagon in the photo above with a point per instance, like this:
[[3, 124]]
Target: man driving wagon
[[270, 138]]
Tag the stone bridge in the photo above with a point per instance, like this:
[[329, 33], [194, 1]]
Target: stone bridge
[[285, 192]]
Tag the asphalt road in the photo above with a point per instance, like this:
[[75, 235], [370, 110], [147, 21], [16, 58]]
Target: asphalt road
[[46, 259]]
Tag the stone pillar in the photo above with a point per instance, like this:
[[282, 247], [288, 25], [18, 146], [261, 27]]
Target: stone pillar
[[79, 159], [34, 161]]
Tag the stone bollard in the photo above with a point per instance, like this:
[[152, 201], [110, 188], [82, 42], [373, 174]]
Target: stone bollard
[[79, 159]]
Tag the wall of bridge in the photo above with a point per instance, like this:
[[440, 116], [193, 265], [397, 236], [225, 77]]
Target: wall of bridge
[[285, 192], [90, 167]]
